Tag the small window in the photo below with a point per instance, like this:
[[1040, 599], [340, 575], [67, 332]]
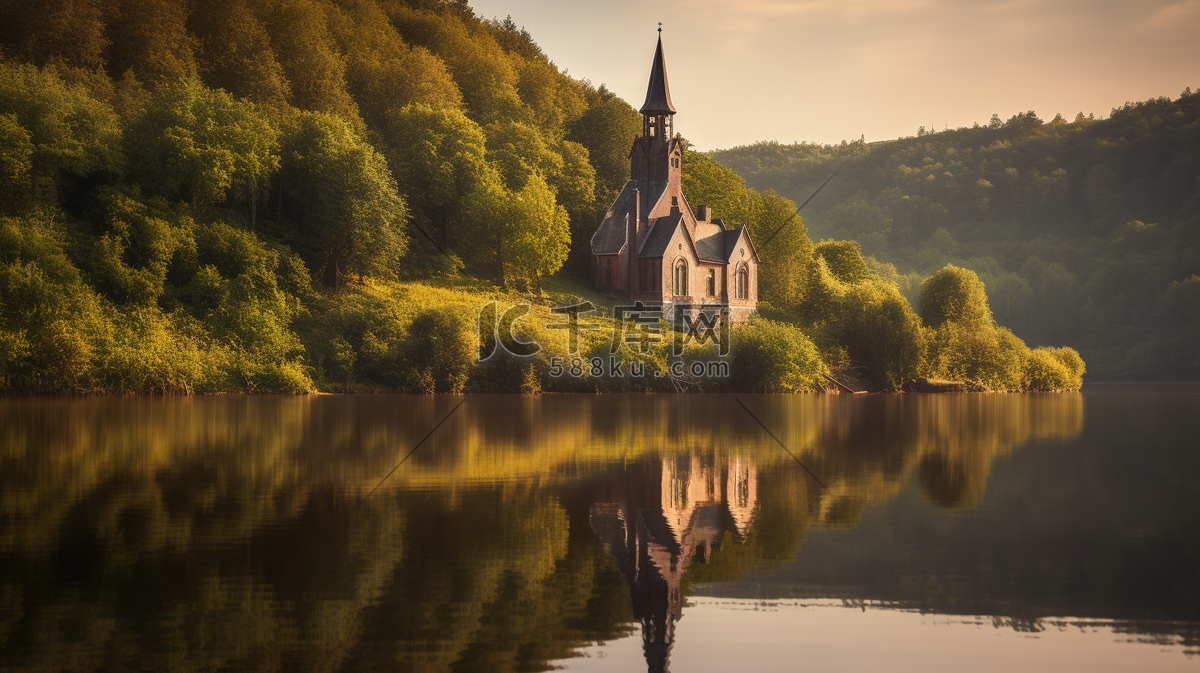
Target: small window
[[608, 272], [674, 200], [679, 284], [710, 285], [743, 283]]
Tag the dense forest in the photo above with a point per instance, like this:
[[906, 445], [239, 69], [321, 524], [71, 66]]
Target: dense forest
[[219, 195], [1084, 232]]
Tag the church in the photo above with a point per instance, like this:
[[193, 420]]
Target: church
[[653, 246]]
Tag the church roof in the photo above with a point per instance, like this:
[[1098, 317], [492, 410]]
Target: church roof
[[658, 93], [610, 236], [712, 248], [656, 242], [732, 236]]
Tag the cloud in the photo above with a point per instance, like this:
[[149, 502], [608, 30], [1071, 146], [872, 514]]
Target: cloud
[[1178, 15]]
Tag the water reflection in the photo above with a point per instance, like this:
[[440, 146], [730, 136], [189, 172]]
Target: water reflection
[[233, 533], [655, 527]]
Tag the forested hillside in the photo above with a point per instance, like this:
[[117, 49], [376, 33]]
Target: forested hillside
[[1085, 232], [289, 195], [173, 173]]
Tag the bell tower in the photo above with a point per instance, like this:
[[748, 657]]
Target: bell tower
[[653, 157]]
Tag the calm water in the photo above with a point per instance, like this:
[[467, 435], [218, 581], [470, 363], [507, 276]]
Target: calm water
[[622, 533]]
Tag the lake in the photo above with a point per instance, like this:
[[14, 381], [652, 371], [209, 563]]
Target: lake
[[602, 532]]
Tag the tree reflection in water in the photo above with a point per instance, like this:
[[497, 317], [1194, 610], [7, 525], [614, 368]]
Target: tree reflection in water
[[227, 532]]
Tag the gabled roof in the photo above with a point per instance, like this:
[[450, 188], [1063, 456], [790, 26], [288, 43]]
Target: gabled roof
[[731, 242], [610, 236], [660, 235], [658, 93]]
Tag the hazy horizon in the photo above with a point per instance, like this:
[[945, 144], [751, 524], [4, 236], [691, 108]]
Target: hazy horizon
[[824, 71]]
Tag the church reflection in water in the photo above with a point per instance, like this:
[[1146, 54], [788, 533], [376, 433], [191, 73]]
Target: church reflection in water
[[237, 534], [656, 526]]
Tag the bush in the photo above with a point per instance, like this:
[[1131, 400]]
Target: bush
[[954, 294], [845, 260], [773, 357], [982, 354], [882, 333], [439, 352], [1054, 369], [868, 321]]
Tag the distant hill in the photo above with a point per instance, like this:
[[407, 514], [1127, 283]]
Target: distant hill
[[1085, 232]]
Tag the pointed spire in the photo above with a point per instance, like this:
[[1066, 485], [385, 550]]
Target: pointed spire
[[658, 93]]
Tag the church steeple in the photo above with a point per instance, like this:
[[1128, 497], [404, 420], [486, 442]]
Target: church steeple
[[658, 93], [658, 109]]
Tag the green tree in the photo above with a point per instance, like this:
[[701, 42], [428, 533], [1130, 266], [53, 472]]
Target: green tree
[[58, 133], [954, 294], [784, 248], [534, 232], [349, 215], [844, 259], [314, 67], [198, 144], [16, 152], [49, 317], [439, 157], [486, 75], [129, 260], [438, 352], [234, 52], [706, 182], [384, 74], [607, 129], [773, 357], [519, 151]]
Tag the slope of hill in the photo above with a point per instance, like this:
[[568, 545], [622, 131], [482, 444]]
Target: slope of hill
[[1084, 232], [217, 195]]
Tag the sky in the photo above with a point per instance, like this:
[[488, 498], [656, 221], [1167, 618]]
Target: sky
[[828, 70]]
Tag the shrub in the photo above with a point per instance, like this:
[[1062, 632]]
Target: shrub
[[869, 321], [845, 260], [882, 333], [773, 357], [989, 357], [1054, 369], [954, 294], [438, 352]]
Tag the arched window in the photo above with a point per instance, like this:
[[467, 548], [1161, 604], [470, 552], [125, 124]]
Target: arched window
[[710, 284], [679, 283], [743, 282]]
